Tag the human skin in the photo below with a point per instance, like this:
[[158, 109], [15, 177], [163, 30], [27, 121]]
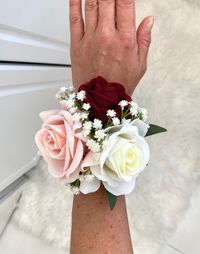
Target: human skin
[[98, 230], [107, 44]]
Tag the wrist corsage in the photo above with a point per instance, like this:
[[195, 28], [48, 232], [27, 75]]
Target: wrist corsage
[[98, 136]]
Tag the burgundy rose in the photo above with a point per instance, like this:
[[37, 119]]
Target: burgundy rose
[[102, 96]]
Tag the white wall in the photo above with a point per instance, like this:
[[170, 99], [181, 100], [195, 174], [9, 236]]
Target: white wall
[[31, 31], [34, 31]]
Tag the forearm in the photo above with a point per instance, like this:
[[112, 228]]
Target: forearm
[[118, 56], [96, 228]]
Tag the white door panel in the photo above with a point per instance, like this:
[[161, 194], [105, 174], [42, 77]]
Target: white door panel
[[34, 31], [25, 91]]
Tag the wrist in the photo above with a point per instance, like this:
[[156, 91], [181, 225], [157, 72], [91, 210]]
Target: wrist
[[97, 201], [99, 227]]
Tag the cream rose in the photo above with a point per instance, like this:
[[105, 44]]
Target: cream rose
[[123, 158]]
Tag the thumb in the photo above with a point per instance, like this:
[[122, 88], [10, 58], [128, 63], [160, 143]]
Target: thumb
[[144, 38]]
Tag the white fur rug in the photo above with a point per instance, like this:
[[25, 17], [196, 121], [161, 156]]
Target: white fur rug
[[170, 91]]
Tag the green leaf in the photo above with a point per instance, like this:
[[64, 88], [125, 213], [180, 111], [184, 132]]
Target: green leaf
[[155, 129], [112, 199], [76, 183]]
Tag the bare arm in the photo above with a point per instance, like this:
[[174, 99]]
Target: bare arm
[[97, 229], [107, 44]]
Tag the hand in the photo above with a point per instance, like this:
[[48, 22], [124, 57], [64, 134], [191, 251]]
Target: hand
[[108, 44]]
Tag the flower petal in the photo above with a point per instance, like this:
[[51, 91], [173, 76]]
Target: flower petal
[[58, 128], [55, 167], [44, 115], [88, 161], [89, 187], [73, 177], [70, 140], [142, 127], [122, 188], [76, 159], [39, 137]]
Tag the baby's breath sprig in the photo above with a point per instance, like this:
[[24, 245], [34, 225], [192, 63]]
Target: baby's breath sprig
[[75, 187], [64, 92], [112, 119], [94, 131], [86, 175], [132, 108]]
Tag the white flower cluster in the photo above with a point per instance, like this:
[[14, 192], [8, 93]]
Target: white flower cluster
[[80, 95], [100, 134], [87, 127], [61, 92], [95, 134], [144, 113], [97, 124], [93, 145], [69, 100], [111, 113], [88, 177], [94, 131], [71, 188], [86, 106], [134, 109], [123, 103], [76, 117], [85, 178]]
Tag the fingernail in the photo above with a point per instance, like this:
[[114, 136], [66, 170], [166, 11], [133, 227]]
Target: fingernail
[[150, 22]]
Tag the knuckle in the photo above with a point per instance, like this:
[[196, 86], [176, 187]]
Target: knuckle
[[125, 2], [105, 36], [146, 42], [103, 40], [74, 3], [85, 47], [106, 1], [127, 40], [75, 20], [90, 5]]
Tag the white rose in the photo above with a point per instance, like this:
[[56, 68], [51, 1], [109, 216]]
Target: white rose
[[125, 155], [90, 183]]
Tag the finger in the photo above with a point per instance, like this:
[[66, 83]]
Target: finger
[[144, 38], [76, 20], [91, 15], [106, 13], [125, 16]]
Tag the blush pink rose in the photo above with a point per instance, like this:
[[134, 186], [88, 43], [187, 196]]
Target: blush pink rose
[[61, 143]]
